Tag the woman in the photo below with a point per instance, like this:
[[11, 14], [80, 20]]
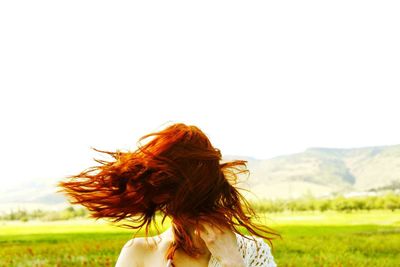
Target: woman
[[176, 174]]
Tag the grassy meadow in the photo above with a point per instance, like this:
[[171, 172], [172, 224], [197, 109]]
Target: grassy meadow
[[363, 238]]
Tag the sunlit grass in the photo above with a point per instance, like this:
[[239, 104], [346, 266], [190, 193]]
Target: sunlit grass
[[308, 239]]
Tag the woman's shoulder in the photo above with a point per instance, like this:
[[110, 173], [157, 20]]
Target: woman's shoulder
[[255, 251], [134, 251]]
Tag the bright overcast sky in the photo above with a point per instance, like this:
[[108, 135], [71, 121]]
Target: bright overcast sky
[[261, 78]]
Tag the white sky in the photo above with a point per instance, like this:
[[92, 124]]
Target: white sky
[[261, 78]]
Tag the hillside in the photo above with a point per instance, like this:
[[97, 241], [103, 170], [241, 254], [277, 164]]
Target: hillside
[[322, 171]]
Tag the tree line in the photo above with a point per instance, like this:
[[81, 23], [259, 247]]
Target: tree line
[[389, 201], [45, 215]]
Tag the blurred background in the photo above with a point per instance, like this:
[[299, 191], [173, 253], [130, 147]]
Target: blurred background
[[306, 91]]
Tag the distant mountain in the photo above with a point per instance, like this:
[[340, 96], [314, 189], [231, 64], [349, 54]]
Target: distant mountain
[[316, 171], [31, 195], [323, 171]]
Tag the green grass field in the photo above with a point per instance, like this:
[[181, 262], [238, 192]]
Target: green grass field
[[308, 239]]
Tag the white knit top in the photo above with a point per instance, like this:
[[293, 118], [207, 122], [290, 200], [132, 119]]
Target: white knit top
[[255, 253]]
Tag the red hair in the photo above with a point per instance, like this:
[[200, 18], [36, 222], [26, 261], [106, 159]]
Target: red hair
[[177, 173]]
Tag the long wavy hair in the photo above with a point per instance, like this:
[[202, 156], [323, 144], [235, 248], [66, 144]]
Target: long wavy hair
[[177, 173]]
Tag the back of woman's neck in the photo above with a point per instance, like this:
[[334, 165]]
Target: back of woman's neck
[[168, 235]]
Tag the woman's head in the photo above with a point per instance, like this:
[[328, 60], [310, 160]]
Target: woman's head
[[176, 172]]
